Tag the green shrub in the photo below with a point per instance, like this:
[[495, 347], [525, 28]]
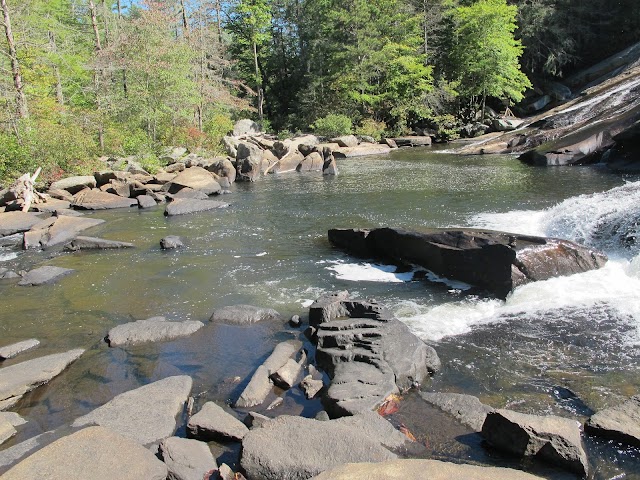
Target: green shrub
[[371, 128], [332, 125], [284, 134], [446, 127], [215, 128], [150, 162]]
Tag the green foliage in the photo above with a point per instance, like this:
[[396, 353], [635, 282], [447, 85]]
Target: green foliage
[[371, 128], [332, 125], [446, 127], [151, 163], [215, 128]]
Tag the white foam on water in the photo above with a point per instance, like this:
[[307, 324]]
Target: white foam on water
[[370, 272], [5, 257]]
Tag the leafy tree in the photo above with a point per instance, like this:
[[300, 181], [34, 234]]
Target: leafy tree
[[484, 53]]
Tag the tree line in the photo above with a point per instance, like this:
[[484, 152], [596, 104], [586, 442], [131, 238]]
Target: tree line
[[83, 78]]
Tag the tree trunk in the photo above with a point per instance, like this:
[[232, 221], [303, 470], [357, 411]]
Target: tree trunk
[[94, 24], [106, 24], [258, 81], [219, 21], [119, 7], [56, 70], [185, 23], [21, 99]]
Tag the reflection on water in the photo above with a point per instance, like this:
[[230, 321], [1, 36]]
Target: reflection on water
[[269, 248]]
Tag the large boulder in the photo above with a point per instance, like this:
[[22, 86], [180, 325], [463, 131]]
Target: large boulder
[[97, 200], [368, 356], [212, 422], [44, 275], [248, 162], [196, 178], [63, 229], [413, 141], [155, 329], [18, 379], [418, 469], [495, 261], [93, 452], [552, 439], [245, 127], [187, 459], [299, 448], [183, 206], [243, 314], [223, 168], [311, 163], [361, 150], [620, 423], [75, 184], [231, 145], [147, 414], [346, 141]]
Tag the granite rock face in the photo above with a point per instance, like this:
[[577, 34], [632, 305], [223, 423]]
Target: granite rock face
[[620, 423]]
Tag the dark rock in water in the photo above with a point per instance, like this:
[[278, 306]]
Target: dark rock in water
[[330, 167], [467, 409], [298, 448], [552, 439], [44, 275], [570, 401], [212, 422], [495, 261], [287, 375], [249, 162], [243, 315], [187, 459], [620, 423], [183, 206], [171, 242], [153, 329], [16, 222], [94, 243], [146, 414], [368, 356], [97, 200], [90, 453]]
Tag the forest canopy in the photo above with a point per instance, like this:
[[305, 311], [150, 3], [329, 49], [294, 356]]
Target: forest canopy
[[84, 78]]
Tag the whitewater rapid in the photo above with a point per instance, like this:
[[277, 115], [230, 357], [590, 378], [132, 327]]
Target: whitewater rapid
[[608, 221]]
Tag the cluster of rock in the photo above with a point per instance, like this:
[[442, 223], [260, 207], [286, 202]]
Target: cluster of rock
[[495, 261], [366, 354]]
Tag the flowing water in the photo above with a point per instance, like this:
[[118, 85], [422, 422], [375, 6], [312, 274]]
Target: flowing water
[[566, 346]]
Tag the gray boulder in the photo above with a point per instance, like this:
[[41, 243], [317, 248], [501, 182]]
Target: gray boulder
[[189, 193], [243, 315], [75, 184], [187, 459], [260, 385], [16, 222], [346, 141], [467, 409], [620, 423], [171, 242], [212, 422], [287, 375], [183, 206], [223, 168], [10, 351], [311, 386], [231, 145], [155, 329], [18, 379], [147, 414], [146, 201], [44, 275], [93, 452], [506, 124], [66, 228], [418, 469], [552, 439], [248, 162], [495, 261], [245, 127], [362, 150], [413, 141], [299, 448], [196, 178], [95, 243], [313, 162], [97, 200]]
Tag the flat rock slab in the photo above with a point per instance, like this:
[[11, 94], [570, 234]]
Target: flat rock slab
[[361, 150], [212, 422], [97, 200], [93, 452], [414, 469], [66, 228], [155, 329], [298, 448], [413, 141], [16, 222], [95, 243], [44, 275], [620, 423], [467, 409], [183, 206], [75, 184], [495, 261], [18, 379], [243, 315], [552, 439], [147, 414], [187, 459], [10, 351]]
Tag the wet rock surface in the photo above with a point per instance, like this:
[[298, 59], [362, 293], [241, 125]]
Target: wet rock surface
[[467, 409], [244, 315], [183, 206], [10, 351], [155, 329], [620, 422], [95, 243], [43, 276]]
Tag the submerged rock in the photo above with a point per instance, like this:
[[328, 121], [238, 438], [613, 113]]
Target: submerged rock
[[297, 448], [182, 206], [620, 423], [418, 469], [147, 414], [155, 329], [44, 275], [95, 243], [93, 452], [495, 261], [171, 242], [212, 422], [467, 409], [552, 439], [18, 379], [10, 351], [244, 315]]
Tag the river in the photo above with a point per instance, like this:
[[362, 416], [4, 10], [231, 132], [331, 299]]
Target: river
[[566, 346]]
